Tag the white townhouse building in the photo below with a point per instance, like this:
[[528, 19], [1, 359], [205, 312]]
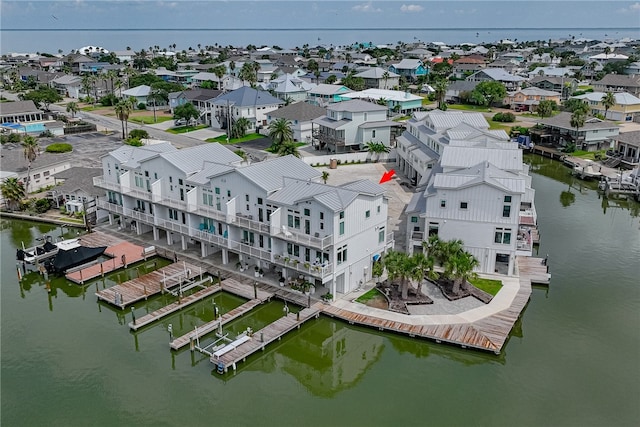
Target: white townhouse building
[[349, 125], [275, 215], [480, 193], [252, 104], [427, 133]]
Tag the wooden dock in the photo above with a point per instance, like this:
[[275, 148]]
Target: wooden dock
[[211, 326], [150, 284], [534, 269], [122, 254], [244, 287], [229, 357], [172, 308]]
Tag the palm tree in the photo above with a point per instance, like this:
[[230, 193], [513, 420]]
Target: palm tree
[[608, 101], [280, 131], [440, 88], [122, 110], [288, 148], [325, 176], [31, 151], [385, 77], [578, 118], [219, 71], [157, 96], [240, 127], [462, 264], [13, 192], [72, 108], [376, 148], [112, 76], [401, 266]]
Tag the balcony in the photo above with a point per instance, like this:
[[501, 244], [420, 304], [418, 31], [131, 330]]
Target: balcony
[[247, 221], [205, 236], [100, 182], [108, 206], [292, 235], [210, 212], [138, 193], [139, 215], [173, 226], [316, 270], [250, 249], [173, 203], [415, 235]]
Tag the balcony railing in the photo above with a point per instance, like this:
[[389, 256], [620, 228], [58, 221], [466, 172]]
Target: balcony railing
[[209, 212], [248, 222], [390, 238], [137, 193], [316, 270], [250, 250], [173, 226], [173, 203], [100, 182], [209, 237], [415, 235], [141, 216], [111, 207], [292, 235]]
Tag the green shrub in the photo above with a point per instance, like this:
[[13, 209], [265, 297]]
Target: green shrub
[[504, 117], [139, 134], [46, 134], [13, 138], [42, 205], [109, 100], [142, 106], [59, 147], [134, 142]]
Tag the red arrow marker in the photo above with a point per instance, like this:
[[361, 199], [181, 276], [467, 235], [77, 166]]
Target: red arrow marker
[[387, 176]]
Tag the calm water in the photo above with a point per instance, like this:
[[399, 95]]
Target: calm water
[[571, 361], [34, 40]]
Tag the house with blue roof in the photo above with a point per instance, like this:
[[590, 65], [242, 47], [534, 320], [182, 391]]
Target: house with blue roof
[[252, 104]]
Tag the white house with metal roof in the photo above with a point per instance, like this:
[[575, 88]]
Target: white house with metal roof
[[625, 109], [395, 100], [379, 78], [301, 116], [252, 104], [275, 215], [510, 81], [480, 193]]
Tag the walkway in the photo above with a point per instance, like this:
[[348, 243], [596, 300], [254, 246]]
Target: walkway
[[122, 254]]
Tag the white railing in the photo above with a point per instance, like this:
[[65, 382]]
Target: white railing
[[317, 270], [173, 203], [250, 250], [173, 226], [141, 216], [250, 223], [390, 238], [137, 193], [415, 235], [111, 207], [100, 182], [292, 235], [210, 237], [209, 212]]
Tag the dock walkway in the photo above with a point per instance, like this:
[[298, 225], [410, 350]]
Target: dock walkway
[[150, 284], [211, 326], [172, 308], [534, 269], [122, 254], [245, 288], [226, 357]]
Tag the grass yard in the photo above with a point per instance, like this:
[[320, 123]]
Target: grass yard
[[148, 120], [185, 129], [469, 107], [92, 108], [371, 294], [298, 144], [490, 286], [498, 125], [222, 139], [401, 118]]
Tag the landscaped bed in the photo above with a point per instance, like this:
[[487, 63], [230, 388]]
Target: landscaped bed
[[222, 139], [185, 129]]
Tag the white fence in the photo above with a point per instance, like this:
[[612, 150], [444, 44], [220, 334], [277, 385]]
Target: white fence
[[362, 157]]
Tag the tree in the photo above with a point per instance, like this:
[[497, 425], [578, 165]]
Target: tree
[[288, 148], [574, 104], [239, 128], [325, 176], [72, 107], [353, 83], [608, 101], [401, 266], [186, 111], [31, 151], [123, 109], [13, 192], [331, 79], [219, 71], [43, 96], [546, 107], [157, 96], [440, 88], [280, 131], [385, 77], [376, 148], [461, 265], [578, 118], [486, 93]]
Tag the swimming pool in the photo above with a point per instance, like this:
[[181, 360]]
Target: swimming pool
[[34, 127]]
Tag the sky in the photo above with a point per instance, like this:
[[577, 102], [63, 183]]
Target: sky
[[233, 14]]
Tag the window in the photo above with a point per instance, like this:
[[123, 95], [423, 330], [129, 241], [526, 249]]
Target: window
[[414, 219], [217, 190], [259, 200], [45, 173], [146, 173], [503, 236], [381, 235], [170, 179], [307, 212], [155, 175], [321, 215], [247, 207], [246, 197], [367, 214], [341, 228], [322, 226], [506, 211], [378, 209], [228, 193], [290, 220], [342, 215], [507, 199], [173, 214], [373, 133], [443, 203], [36, 176], [464, 205], [342, 255]]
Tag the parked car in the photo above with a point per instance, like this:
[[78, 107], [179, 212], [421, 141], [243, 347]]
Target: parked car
[[180, 122]]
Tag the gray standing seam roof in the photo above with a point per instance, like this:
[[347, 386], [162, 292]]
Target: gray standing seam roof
[[270, 174], [247, 97]]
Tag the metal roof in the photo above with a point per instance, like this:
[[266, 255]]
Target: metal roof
[[301, 111], [335, 198], [332, 124], [247, 97], [192, 159], [464, 157], [365, 186], [208, 171], [448, 119], [270, 174], [481, 173], [356, 106]]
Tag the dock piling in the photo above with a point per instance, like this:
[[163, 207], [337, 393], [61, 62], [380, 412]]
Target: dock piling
[[170, 330], [133, 314]]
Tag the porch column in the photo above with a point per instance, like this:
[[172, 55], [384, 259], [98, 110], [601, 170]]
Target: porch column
[[138, 228], [183, 242], [156, 233], [225, 256], [169, 238], [204, 249], [110, 218]]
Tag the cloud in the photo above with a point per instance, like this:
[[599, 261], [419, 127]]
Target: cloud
[[366, 7], [635, 6], [411, 8], [632, 8]]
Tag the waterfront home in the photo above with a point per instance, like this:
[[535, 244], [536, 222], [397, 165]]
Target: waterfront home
[[625, 109], [409, 68], [273, 215], [476, 193], [510, 81], [252, 104], [324, 94], [301, 116], [395, 100], [75, 191], [427, 133], [618, 83], [348, 125], [595, 135], [627, 147], [42, 168], [379, 78], [529, 98], [73, 61]]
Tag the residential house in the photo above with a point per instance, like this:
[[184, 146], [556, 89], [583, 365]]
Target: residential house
[[74, 61], [325, 94], [75, 191], [604, 58], [348, 125], [627, 146], [633, 68], [529, 98], [67, 85], [203, 76], [42, 168], [273, 215], [124, 55], [459, 90], [20, 112], [409, 68], [288, 87], [510, 81], [481, 194], [140, 93], [379, 78], [301, 116], [465, 66], [200, 98], [564, 85], [252, 104], [626, 108], [551, 72], [618, 83], [595, 135], [397, 101]]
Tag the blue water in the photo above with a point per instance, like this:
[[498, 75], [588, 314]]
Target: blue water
[[35, 127], [35, 40]]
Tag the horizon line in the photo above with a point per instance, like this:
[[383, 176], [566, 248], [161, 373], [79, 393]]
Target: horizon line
[[322, 29]]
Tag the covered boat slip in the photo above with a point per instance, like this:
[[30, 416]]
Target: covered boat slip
[[150, 284]]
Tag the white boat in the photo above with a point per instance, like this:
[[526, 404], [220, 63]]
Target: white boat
[[586, 171], [36, 254]]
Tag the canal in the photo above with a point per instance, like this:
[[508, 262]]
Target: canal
[[571, 360]]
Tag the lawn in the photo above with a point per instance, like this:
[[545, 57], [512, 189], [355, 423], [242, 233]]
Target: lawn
[[401, 118], [499, 125], [222, 139], [185, 129], [588, 155], [92, 108], [470, 107], [585, 87], [371, 294], [298, 144], [148, 120], [490, 286]]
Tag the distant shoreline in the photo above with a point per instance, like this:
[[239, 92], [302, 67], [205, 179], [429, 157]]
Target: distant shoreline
[[308, 29]]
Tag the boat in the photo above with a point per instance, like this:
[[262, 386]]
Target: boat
[[67, 259], [47, 250], [586, 171]]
